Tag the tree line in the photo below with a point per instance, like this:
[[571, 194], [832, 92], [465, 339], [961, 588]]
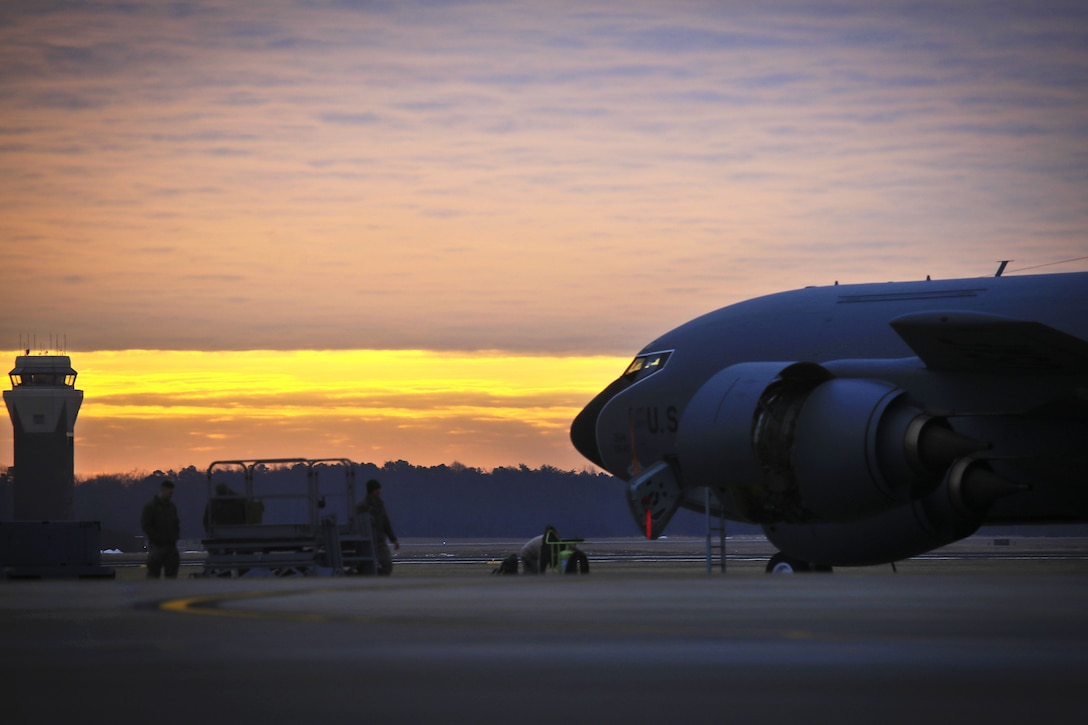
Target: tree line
[[445, 501]]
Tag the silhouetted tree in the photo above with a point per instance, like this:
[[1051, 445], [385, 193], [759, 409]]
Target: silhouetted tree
[[443, 501]]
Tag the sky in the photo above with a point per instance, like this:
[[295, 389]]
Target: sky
[[438, 228]]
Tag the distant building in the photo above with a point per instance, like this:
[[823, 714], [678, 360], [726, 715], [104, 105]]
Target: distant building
[[43, 404]]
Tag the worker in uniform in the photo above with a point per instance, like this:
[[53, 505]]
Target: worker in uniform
[[162, 528], [380, 525]]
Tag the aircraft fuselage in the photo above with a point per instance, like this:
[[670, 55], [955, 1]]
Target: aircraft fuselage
[[843, 408]]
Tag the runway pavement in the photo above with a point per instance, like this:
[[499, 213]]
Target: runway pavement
[[996, 644]]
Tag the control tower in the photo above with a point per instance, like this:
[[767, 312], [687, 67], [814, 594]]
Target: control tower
[[43, 404]]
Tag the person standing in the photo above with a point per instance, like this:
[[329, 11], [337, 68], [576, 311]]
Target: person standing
[[162, 528], [380, 526]]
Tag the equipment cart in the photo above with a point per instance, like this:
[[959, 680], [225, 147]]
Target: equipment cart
[[286, 527]]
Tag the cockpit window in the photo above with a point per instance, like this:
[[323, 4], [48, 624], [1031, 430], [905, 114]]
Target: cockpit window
[[645, 365]]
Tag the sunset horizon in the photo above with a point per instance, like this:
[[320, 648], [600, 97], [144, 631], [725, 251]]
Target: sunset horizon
[[160, 409], [559, 183]]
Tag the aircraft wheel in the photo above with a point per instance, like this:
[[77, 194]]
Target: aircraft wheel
[[782, 564]]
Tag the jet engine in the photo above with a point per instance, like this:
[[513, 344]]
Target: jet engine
[[789, 442], [952, 512]]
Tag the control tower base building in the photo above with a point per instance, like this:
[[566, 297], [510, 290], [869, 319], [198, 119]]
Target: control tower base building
[[43, 404]]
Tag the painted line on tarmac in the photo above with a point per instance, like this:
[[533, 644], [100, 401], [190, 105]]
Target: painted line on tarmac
[[213, 605]]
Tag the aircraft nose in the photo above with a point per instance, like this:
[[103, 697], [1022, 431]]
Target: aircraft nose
[[583, 431]]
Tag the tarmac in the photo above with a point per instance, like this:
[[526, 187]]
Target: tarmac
[[989, 632]]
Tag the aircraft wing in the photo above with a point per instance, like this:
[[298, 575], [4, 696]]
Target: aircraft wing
[[976, 342]]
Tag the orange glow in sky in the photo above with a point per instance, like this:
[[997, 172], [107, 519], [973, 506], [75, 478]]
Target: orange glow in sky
[[148, 409], [560, 182]]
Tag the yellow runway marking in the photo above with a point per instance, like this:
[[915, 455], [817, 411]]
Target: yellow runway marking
[[208, 605]]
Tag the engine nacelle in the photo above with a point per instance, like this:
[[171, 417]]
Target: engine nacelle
[[790, 442], [952, 512]]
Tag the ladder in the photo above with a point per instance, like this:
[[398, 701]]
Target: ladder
[[715, 534]]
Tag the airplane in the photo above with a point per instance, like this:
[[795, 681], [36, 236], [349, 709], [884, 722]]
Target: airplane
[[859, 424]]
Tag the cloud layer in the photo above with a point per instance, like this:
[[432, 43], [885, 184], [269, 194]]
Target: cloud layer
[[571, 177]]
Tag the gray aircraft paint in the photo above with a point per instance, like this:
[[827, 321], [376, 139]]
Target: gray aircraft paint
[[801, 411]]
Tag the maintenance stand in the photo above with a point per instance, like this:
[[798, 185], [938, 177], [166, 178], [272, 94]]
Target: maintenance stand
[[265, 530]]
